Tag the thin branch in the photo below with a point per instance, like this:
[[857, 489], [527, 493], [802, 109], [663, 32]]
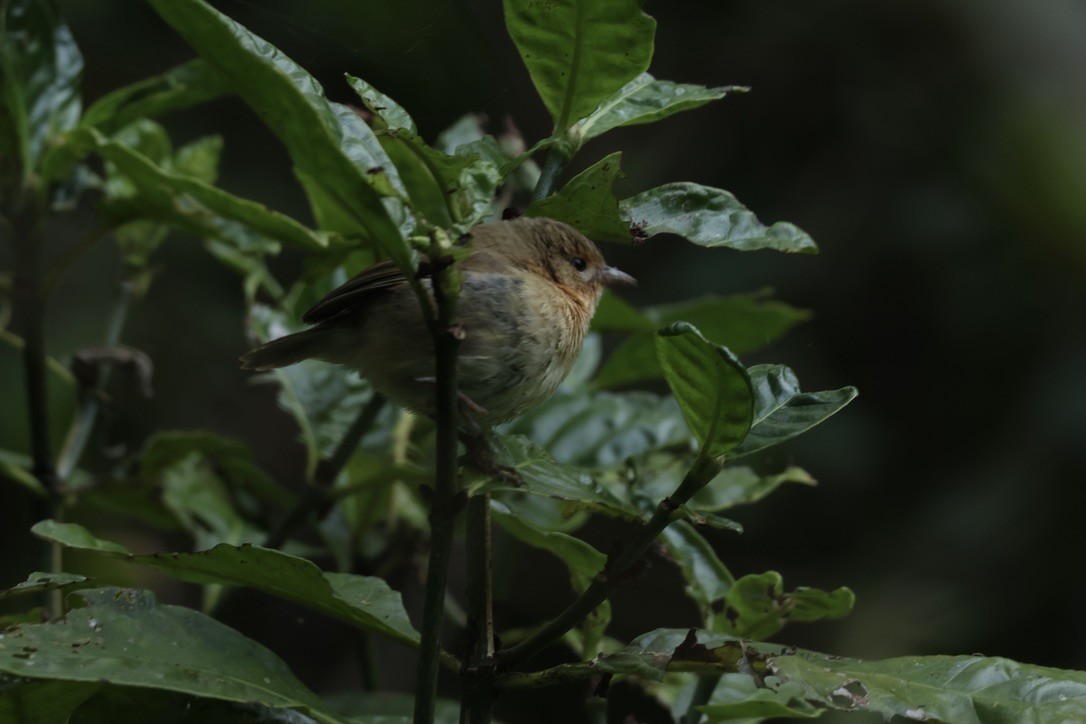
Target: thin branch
[[90, 399], [478, 701], [318, 493], [617, 569], [446, 502], [703, 692], [570, 673]]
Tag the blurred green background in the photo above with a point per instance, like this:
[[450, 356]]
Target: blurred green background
[[935, 149]]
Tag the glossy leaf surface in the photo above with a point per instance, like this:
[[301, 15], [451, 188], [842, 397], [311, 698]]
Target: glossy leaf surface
[[337, 158], [126, 637], [710, 217], [579, 52], [710, 385], [362, 601], [782, 411], [646, 100], [588, 204]]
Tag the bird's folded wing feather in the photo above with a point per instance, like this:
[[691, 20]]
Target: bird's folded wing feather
[[356, 291]]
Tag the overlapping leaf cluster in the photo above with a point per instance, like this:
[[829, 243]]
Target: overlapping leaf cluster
[[377, 189]]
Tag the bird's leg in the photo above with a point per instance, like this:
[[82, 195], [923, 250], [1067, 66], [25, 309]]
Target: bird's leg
[[469, 411], [479, 456]]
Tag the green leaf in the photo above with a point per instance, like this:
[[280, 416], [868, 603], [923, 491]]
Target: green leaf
[[707, 578], [709, 217], [17, 472], [588, 204], [38, 581], [447, 189], [230, 459], [740, 697], [756, 606], [181, 87], [710, 385], [741, 486], [337, 158], [963, 689], [579, 52], [190, 203], [126, 637], [43, 702], [75, 536], [390, 115], [542, 476], [743, 323], [362, 601], [583, 561], [40, 69], [135, 705], [208, 484], [650, 655], [603, 429], [781, 411], [646, 100]]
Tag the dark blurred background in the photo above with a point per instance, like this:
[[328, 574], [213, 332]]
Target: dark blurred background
[[935, 149]]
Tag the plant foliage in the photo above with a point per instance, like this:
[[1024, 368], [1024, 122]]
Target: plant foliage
[[663, 463]]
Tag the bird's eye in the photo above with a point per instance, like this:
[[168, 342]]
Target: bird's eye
[[578, 263]]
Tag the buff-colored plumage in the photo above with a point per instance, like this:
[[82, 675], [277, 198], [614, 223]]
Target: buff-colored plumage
[[530, 288]]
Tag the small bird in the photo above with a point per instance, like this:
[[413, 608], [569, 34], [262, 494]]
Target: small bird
[[530, 288]]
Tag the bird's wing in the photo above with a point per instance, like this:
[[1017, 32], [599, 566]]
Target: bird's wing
[[355, 291]]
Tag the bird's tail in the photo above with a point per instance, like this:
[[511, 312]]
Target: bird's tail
[[285, 351]]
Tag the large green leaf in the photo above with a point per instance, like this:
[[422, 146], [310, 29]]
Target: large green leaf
[[580, 52], [743, 323], [188, 202], [782, 411], [541, 475], [709, 217], [604, 429], [362, 601], [125, 637], [186, 85], [645, 100], [40, 68], [710, 385], [959, 689], [587, 202], [337, 158]]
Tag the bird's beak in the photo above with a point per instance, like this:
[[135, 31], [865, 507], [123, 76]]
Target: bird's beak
[[609, 276]]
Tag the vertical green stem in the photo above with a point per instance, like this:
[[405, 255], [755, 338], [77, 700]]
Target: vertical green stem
[[478, 674], [443, 508], [549, 175]]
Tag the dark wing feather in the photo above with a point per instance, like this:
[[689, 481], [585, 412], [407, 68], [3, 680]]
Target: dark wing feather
[[355, 291]]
